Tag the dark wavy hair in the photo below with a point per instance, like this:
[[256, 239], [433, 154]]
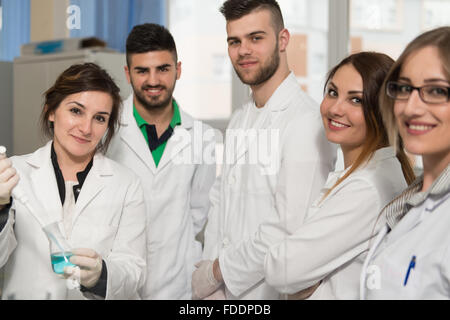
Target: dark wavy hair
[[373, 68], [81, 78]]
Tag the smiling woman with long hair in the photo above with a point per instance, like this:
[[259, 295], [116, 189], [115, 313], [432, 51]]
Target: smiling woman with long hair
[[410, 257], [322, 259]]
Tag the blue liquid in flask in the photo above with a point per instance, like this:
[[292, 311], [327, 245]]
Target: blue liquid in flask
[[58, 261]]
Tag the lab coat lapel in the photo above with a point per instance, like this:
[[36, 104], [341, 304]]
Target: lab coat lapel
[[133, 137], [93, 185], [180, 139], [44, 186], [250, 135], [409, 222], [242, 145], [278, 102]]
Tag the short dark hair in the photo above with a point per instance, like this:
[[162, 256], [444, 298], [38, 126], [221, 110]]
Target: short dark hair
[[81, 78], [236, 9], [149, 37]]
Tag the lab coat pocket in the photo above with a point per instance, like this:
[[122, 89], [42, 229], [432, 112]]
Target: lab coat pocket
[[412, 287], [406, 276], [105, 240]]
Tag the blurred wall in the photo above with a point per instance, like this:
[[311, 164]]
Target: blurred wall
[[6, 105]]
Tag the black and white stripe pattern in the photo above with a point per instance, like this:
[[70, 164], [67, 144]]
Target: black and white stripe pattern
[[412, 197]]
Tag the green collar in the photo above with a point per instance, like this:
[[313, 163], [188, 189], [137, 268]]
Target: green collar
[[176, 119]]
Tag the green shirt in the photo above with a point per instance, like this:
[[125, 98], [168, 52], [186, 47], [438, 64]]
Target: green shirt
[[157, 145]]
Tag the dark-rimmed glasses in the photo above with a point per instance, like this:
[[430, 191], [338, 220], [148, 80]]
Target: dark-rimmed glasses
[[432, 94]]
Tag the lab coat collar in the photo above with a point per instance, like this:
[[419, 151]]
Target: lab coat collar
[[187, 122], [178, 142], [439, 187], [42, 157], [263, 121], [133, 137], [333, 177], [127, 112], [44, 186], [412, 197], [280, 100], [284, 94], [128, 119], [379, 155], [94, 183], [396, 209]]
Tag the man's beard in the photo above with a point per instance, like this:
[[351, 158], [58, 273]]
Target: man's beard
[[154, 103], [264, 73]]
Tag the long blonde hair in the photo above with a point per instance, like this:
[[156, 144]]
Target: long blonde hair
[[439, 38]]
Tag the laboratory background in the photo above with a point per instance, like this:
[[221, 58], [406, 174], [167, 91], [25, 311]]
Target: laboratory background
[[41, 38]]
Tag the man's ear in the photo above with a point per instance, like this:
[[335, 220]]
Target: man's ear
[[127, 74], [283, 39], [178, 70]]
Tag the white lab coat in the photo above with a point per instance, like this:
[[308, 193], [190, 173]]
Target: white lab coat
[[176, 196], [424, 233], [332, 243], [109, 218], [251, 193]]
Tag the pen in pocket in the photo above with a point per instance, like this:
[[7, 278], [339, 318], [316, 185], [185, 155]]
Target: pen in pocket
[[411, 266]]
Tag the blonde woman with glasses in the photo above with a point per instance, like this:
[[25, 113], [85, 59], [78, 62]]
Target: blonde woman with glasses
[[410, 258]]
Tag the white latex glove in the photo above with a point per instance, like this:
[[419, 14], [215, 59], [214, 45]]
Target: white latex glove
[[90, 266], [8, 179], [72, 281], [203, 281], [218, 295]]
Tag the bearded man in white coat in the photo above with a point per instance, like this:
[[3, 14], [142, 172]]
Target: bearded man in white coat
[[174, 157], [279, 121]]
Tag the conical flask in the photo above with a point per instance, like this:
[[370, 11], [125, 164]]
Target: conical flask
[[60, 250]]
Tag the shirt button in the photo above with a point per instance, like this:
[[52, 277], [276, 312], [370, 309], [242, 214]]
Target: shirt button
[[231, 180], [77, 190], [225, 242]]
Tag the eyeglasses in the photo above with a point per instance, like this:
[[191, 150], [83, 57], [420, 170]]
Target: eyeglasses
[[432, 94]]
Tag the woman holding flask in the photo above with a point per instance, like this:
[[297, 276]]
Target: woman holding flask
[[98, 203]]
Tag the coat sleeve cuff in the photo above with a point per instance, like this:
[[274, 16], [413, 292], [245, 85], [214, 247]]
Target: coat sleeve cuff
[[4, 214], [100, 288]]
